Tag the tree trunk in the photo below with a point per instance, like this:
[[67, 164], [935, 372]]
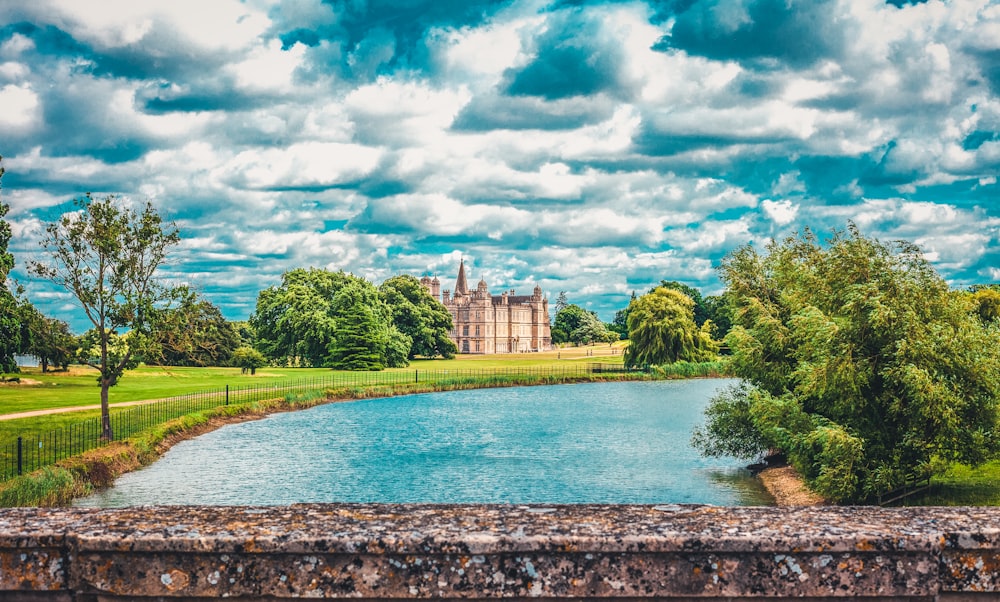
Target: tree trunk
[[45, 365], [106, 433]]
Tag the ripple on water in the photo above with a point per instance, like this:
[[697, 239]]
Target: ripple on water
[[586, 443]]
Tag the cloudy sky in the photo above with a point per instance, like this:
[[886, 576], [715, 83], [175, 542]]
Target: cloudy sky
[[594, 147]]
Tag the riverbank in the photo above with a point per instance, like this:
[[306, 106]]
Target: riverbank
[[787, 487]]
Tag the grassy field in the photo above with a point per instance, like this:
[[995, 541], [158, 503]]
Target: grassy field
[[78, 387], [962, 486]]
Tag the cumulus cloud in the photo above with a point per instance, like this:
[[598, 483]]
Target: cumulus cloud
[[588, 146]]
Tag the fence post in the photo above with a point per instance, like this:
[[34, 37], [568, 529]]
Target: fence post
[[416, 376], [227, 394], [20, 455]]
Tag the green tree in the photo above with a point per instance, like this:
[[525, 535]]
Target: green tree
[[720, 312], [699, 309], [573, 324], [986, 300], [322, 318], [419, 316], [561, 301], [10, 311], [192, 332], [51, 341], [620, 323], [590, 329], [365, 338], [661, 330], [107, 256], [248, 359], [865, 370], [295, 322]]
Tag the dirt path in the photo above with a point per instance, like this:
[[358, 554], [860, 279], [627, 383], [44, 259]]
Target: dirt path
[[46, 412]]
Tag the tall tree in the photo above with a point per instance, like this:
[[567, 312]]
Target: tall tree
[[322, 318], [192, 332], [10, 323], [866, 370], [419, 316], [699, 309], [561, 301], [107, 255], [295, 321], [365, 338], [50, 340], [661, 330]]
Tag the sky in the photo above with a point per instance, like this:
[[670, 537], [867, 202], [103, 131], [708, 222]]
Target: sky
[[593, 147]]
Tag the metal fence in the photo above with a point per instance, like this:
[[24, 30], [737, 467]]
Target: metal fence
[[32, 451]]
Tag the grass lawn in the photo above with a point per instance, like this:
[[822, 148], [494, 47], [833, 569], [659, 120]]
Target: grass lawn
[[962, 486], [78, 386]]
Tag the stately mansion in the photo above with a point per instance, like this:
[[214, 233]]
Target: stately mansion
[[485, 323]]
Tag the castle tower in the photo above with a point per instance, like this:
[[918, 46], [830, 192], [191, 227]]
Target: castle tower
[[461, 286]]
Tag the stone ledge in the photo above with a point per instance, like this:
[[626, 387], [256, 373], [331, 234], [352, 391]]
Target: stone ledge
[[471, 552]]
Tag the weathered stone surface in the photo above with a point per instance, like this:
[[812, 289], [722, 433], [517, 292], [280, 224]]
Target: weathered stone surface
[[469, 552]]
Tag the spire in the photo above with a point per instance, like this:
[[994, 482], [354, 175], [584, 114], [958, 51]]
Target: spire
[[461, 286]]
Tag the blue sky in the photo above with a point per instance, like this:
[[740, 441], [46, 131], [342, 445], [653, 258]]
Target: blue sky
[[586, 146]]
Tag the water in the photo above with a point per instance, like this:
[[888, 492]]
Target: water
[[586, 443]]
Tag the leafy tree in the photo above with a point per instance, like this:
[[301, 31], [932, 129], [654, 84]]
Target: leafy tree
[[720, 314], [573, 324], [51, 341], [322, 318], [365, 338], [295, 322], [107, 255], [661, 330], [193, 332], [987, 303], [592, 330], [10, 323], [620, 323], [419, 316], [700, 310], [248, 359], [562, 301], [865, 370]]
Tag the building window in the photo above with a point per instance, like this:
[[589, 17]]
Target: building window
[[477, 330], [465, 330]]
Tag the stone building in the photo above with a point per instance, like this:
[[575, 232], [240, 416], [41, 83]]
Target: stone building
[[485, 323]]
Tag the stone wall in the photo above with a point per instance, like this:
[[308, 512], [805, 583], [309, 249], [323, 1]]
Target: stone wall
[[514, 552]]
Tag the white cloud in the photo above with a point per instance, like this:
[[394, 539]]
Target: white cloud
[[217, 25], [781, 213], [20, 107]]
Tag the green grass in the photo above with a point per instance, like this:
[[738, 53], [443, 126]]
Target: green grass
[[79, 386], [962, 486]]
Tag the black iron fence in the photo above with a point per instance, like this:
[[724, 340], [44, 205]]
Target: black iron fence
[[32, 451]]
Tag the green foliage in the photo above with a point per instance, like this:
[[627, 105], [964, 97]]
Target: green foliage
[[192, 332], [662, 330], [987, 304], [868, 371], [248, 359], [366, 338], [573, 324], [50, 341], [107, 255], [322, 318], [620, 322], [419, 316], [295, 322], [10, 311], [699, 310], [729, 428]]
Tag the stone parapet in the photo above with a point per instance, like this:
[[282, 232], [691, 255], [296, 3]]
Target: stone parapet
[[374, 551]]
